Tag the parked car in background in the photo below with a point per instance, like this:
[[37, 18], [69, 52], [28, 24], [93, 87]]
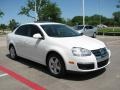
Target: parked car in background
[[58, 47], [102, 26], [87, 30]]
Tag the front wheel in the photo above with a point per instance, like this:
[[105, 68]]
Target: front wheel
[[56, 65]]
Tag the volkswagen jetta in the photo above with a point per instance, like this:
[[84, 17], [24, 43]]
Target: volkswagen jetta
[[58, 47]]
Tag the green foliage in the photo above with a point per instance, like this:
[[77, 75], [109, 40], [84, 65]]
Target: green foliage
[[93, 20], [90, 20], [118, 5], [112, 29], [3, 27], [51, 12], [69, 22], [77, 20], [45, 10], [13, 24], [30, 7], [62, 20], [1, 14], [116, 16]]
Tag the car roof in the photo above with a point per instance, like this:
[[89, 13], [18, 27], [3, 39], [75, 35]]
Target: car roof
[[83, 25], [41, 23]]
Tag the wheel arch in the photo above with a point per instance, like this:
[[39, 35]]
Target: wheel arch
[[11, 44], [53, 51]]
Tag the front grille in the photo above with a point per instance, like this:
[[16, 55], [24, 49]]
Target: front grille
[[102, 52], [86, 66], [102, 63]]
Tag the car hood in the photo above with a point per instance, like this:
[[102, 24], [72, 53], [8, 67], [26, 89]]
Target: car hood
[[80, 41]]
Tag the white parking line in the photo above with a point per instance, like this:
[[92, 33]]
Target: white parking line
[[2, 75]]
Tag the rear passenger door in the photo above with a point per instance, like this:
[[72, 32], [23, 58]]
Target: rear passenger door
[[20, 37]]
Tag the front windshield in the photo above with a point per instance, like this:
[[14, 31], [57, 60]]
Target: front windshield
[[55, 30]]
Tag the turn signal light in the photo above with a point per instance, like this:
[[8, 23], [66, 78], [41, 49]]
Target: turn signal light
[[71, 62]]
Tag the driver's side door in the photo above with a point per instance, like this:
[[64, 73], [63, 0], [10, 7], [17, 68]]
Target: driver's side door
[[88, 31]]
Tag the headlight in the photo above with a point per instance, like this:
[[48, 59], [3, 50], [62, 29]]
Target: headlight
[[80, 51]]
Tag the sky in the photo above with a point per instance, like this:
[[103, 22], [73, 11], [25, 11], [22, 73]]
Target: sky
[[69, 8]]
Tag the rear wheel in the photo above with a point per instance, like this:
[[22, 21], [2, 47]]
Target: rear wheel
[[94, 35], [56, 65], [12, 51]]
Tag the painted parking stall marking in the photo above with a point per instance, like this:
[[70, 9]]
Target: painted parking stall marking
[[2, 75], [23, 80]]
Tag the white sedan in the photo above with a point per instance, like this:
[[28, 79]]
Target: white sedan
[[87, 30], [58, 47]]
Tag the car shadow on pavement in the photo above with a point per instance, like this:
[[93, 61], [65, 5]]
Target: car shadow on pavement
[[30, 64], [79, 76], [74, 76]]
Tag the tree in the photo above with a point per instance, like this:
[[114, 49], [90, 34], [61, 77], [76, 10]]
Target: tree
[[3, 27], [94, 20], [116, 16], [118, 5], [13, 24], [90, 20], [51, 12], [30, 7], [77, 20], [109, 22], [69, 22], [62, 20], [1, 13]]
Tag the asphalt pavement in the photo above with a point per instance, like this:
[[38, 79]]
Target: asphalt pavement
[[22, 74]]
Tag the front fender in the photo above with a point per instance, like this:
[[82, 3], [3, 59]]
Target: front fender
[[62, 52]]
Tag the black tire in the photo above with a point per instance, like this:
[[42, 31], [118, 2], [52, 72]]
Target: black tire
[[56, 65], [94, 35], [12, 52]]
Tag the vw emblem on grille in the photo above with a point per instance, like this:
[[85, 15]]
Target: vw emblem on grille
[[103, 52]]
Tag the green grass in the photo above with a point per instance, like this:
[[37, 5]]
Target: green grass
[[109, 30]]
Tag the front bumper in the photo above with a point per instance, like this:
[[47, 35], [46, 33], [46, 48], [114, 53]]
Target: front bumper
[[88, 64]]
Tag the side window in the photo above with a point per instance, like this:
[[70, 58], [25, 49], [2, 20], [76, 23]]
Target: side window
[[22, 30], [33, 30], [80, 27], [86, 27], [90, 27]]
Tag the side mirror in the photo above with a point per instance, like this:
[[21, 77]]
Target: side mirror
[[37, 36]]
